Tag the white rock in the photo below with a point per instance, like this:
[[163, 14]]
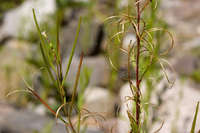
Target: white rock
[[198, 29], [19, 21], [123, 123], [40, 109], [99, 100], [126, 41], [123, 3], [177, 106], [82, 0]]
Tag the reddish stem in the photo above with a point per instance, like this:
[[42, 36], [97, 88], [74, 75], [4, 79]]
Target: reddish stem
[[137, 67]]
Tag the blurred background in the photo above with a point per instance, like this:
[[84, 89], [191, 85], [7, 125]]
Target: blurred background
[[103, 85]]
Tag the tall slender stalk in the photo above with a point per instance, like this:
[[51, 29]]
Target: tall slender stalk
[[141, 56], [137, 67]]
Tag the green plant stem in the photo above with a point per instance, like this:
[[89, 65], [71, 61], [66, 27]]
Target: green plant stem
[[58, 50], [195, 119], [73, 50]]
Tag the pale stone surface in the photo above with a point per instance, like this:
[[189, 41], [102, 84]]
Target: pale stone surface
[[123, 122], [99, 100], [19, 21], [183, 18], [127, 39], [176, 107]]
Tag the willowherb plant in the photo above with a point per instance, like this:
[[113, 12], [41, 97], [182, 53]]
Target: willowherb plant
[[142, 54]]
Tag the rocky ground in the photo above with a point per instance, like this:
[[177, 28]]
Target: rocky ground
[[174, 106]]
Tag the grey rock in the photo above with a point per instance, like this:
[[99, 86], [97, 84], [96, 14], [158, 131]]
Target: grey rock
[[98, 66], [192, 44], [24, 121], [94, 131], [90, 37], [14, 120], [183, 17], [186, 64]]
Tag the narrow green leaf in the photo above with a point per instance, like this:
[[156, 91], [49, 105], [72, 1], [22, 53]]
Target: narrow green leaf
[[73, 49], [43, 45], [47, 66], [195, 119], [58, 54], [37, 26]]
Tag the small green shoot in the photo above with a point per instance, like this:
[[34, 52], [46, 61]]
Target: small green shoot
[[195, 119]]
